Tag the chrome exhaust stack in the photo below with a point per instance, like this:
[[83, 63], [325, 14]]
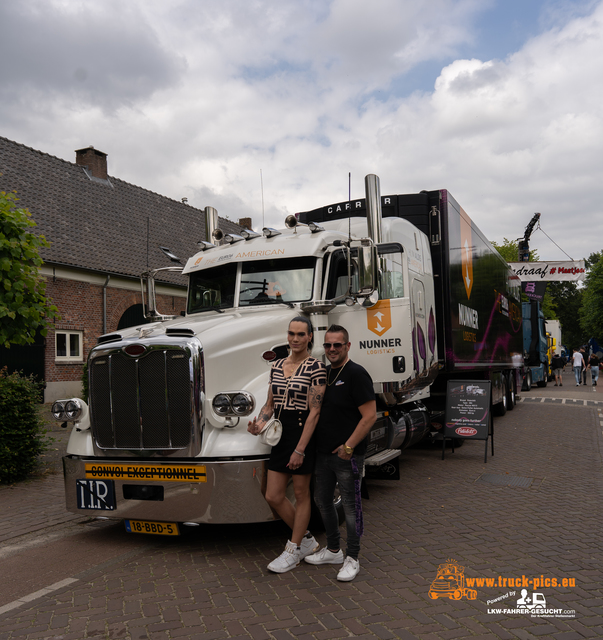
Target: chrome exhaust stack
[[374, 214], [212, 232]]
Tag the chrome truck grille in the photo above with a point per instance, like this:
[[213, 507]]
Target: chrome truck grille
[[147, 397]]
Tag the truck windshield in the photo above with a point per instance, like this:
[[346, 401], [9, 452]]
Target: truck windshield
[[212, 288], [284, 280]]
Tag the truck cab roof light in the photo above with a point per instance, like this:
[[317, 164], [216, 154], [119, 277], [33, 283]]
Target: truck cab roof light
[[231, 238], [269, 232], [315, 228], [249, 235], [204, 246]]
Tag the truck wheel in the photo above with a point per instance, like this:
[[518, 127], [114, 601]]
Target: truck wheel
[[433, 596], [542, 383], [501, 408], [457, 595], [511, 398], [527, 381]]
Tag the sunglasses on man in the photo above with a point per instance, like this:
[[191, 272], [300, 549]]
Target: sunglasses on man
[[333, 345]]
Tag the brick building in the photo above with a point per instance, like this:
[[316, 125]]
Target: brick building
[[103, 233]]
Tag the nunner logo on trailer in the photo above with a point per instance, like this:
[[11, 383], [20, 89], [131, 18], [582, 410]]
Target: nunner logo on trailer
[[466, 252]]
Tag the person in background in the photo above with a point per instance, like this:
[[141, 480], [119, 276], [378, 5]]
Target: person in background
[[295, 393], [347, 415], [557, 364], [593, 365], [577, 365], [585, 358]]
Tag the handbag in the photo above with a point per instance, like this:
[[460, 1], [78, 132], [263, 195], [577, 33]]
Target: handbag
[[271, 432]]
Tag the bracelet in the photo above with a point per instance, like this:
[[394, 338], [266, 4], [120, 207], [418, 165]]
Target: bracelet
[[299, 453]]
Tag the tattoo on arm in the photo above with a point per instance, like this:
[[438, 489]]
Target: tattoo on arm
[[316, 396], [265, 414]]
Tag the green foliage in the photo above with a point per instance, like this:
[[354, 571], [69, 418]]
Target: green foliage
[[510, 251], [591, 314], [21, 427], [567, 301], [23, 305]]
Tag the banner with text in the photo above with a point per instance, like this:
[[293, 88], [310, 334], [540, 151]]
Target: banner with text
[[550, 271]]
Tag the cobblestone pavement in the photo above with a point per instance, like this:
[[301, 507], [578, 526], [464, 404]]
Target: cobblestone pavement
[[533, 510]]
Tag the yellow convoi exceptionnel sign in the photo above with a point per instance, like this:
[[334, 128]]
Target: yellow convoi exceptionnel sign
[[158, 472]]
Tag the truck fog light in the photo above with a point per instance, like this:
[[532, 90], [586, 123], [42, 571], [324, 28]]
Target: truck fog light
[[58, 411], [221, 404], [73, 409], [242, 405]]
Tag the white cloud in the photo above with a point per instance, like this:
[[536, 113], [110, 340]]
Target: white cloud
[[196, 98]]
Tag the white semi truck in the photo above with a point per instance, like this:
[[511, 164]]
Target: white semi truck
[[163, 439]]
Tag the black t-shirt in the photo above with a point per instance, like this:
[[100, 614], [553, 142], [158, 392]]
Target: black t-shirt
[[347, 389], [558, 362]]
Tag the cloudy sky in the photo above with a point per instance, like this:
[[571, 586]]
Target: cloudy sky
[[499, 101]]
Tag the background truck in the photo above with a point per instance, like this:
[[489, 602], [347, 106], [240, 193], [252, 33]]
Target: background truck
[[536, 346], [553, 329], [425, 299]]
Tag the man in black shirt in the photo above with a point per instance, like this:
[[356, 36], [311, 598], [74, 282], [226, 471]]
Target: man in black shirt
[[557, 364], [347, 415]]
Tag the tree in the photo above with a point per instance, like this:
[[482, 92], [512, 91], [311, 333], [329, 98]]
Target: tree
[[567, 299], [23, 305], [510, 251], [591, 314]]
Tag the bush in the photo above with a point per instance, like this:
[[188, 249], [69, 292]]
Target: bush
[[21, 427]]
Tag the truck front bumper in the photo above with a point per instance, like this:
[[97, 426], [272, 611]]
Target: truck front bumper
[[190, 491]]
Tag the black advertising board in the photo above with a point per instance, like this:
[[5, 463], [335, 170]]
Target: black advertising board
[[468, 406], [468, 409]]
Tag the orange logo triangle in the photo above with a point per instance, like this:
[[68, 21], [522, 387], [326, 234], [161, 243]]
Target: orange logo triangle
[[379, 317], [466, 252]]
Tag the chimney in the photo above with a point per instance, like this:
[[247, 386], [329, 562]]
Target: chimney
[[245, 223], [93, 160]]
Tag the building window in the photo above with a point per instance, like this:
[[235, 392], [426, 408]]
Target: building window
[[69, 346]]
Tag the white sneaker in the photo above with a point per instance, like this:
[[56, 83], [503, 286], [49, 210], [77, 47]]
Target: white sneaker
[[287, 560], [324, 556], [308, 546], [349, 571]]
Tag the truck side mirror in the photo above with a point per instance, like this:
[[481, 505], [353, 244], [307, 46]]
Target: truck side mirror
[[368, 268]]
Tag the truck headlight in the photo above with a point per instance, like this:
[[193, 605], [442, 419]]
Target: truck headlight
[[242, 404], [58, 410], [73, 409], [221, 404], [233, 403]]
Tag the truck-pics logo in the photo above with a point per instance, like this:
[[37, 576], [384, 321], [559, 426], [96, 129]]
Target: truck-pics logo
[[450, 583], [466, 252], [379, 318]]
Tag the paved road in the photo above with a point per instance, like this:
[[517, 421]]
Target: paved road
[[533, 510]]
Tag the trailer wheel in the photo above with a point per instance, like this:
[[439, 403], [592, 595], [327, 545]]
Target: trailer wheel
[[501, 408]]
